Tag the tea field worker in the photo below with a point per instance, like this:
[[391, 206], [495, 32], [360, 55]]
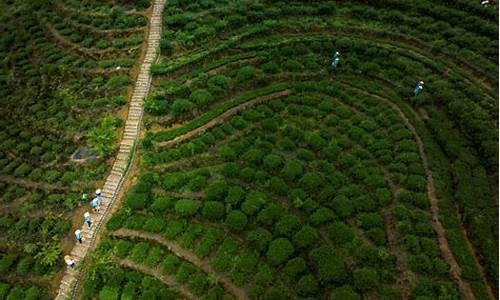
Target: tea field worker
[[419, 88], [78, 235], [95, 203], [118, 68], [485, 2], [84, 197], [98, 194], [87, 219], [69, 262], [335, 62], [336, 55]]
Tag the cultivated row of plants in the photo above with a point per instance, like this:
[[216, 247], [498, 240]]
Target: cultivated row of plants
[[321, 193], [57, 99]]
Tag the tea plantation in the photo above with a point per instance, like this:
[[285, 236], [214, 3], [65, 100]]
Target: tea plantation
[[262, 172], [65, 72]]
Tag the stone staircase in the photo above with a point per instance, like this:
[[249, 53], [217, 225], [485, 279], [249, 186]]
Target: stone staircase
[[119, 170]]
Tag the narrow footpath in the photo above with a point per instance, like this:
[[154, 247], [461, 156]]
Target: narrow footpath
[[125, 155]]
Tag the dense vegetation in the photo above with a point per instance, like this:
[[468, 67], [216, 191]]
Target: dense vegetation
[[61, 91], [305, 182], [316, 187]]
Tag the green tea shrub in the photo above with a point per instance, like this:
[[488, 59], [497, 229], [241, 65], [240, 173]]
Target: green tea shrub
[[187, 207], [294, 267], [109, 293], [344, 292], [236, 220], [181, 106], [218, 83], [201, 97], [366, 278], [307, 285], [329, 267], [245, 73], [213, 210], [279, 251], [139, 252], [259, 239]]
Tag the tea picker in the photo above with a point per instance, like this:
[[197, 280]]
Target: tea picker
[[95, 203], [87, 219], [78, 235], [419, 88], [98, 194], [335, 60], [336, 55], [69, 261]]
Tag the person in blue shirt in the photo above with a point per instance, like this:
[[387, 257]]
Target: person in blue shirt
[[87, 219], [419, 88], [335, 60], [78, 236], [98, 194], [96, 203]]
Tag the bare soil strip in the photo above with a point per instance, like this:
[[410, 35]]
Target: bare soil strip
[[455, 270]]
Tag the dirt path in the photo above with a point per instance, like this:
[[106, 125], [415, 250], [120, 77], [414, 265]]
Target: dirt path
[[169, 280], [175, 248], [119, 171], [406, 279], [455, 270], [224, 116]]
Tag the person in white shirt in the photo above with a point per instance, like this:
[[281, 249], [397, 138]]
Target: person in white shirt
[[69, 261]]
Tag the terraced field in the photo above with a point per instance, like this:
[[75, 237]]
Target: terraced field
[[66, 73], [265, 173]]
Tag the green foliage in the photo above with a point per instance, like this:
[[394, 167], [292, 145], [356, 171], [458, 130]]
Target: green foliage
[[213, 210], [344, 292], [103, 136], [187, 207], [181, 106], [259, 238], [109, 293], [245, 73], [236, 220], [139, 252], [279, 251], [201, 97], [339, 233], [366, 278], [122, 248], [218, 83], [307, 285], [253, 202], [330, 268]]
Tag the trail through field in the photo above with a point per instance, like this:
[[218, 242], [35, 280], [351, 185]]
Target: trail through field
[[455, 270], [224, 116], [169, 280], [176, 249], [119, 171], [469, 244]]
